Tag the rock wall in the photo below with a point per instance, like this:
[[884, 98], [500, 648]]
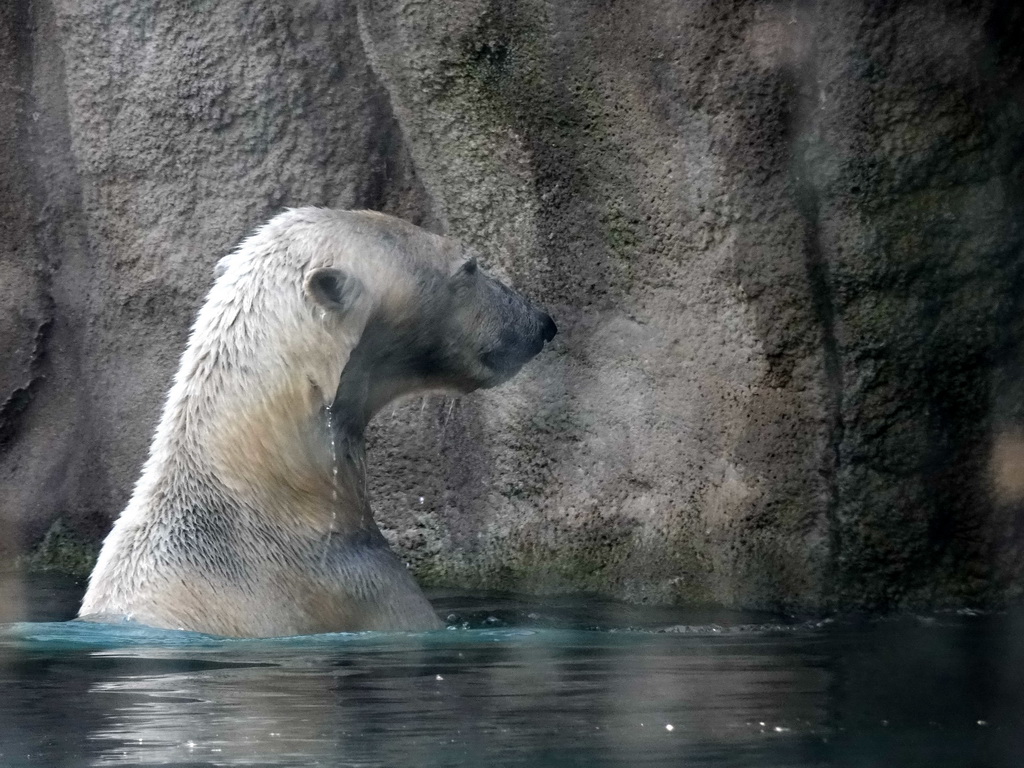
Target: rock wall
[[783, 243]]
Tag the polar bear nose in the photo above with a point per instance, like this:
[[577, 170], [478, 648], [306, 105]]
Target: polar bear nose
[[548, 329]]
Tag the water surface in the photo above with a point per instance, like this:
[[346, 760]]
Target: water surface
[[527, 682]]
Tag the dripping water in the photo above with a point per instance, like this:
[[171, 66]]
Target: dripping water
[[447, 416], [334, 484]]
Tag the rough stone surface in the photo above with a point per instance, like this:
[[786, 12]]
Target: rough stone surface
[[783, 242]]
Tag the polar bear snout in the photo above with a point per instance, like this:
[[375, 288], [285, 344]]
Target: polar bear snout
[[517, 350], [548, 329]]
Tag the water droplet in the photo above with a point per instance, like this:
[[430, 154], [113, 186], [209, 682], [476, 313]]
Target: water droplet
[[334, 486]]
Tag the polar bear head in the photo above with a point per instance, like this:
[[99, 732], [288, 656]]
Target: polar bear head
[[362, 308]]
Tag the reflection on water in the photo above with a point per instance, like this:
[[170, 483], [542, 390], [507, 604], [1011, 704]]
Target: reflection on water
[[570, 683]]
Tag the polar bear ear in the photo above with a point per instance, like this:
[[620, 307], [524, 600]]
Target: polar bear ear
[[332, 289], [220, 268]]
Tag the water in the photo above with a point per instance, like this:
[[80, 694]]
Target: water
[[517, 683]]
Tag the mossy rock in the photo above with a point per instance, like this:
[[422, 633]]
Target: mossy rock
[[63, 550]]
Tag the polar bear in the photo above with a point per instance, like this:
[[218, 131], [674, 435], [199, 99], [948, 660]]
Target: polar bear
[[251, 516]]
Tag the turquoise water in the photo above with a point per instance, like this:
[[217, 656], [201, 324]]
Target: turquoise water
[[517, 682]]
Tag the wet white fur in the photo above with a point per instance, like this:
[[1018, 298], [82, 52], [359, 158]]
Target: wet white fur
[[239, 487]]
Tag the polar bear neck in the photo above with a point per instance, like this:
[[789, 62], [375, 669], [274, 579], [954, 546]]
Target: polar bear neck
[[249, 414]]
